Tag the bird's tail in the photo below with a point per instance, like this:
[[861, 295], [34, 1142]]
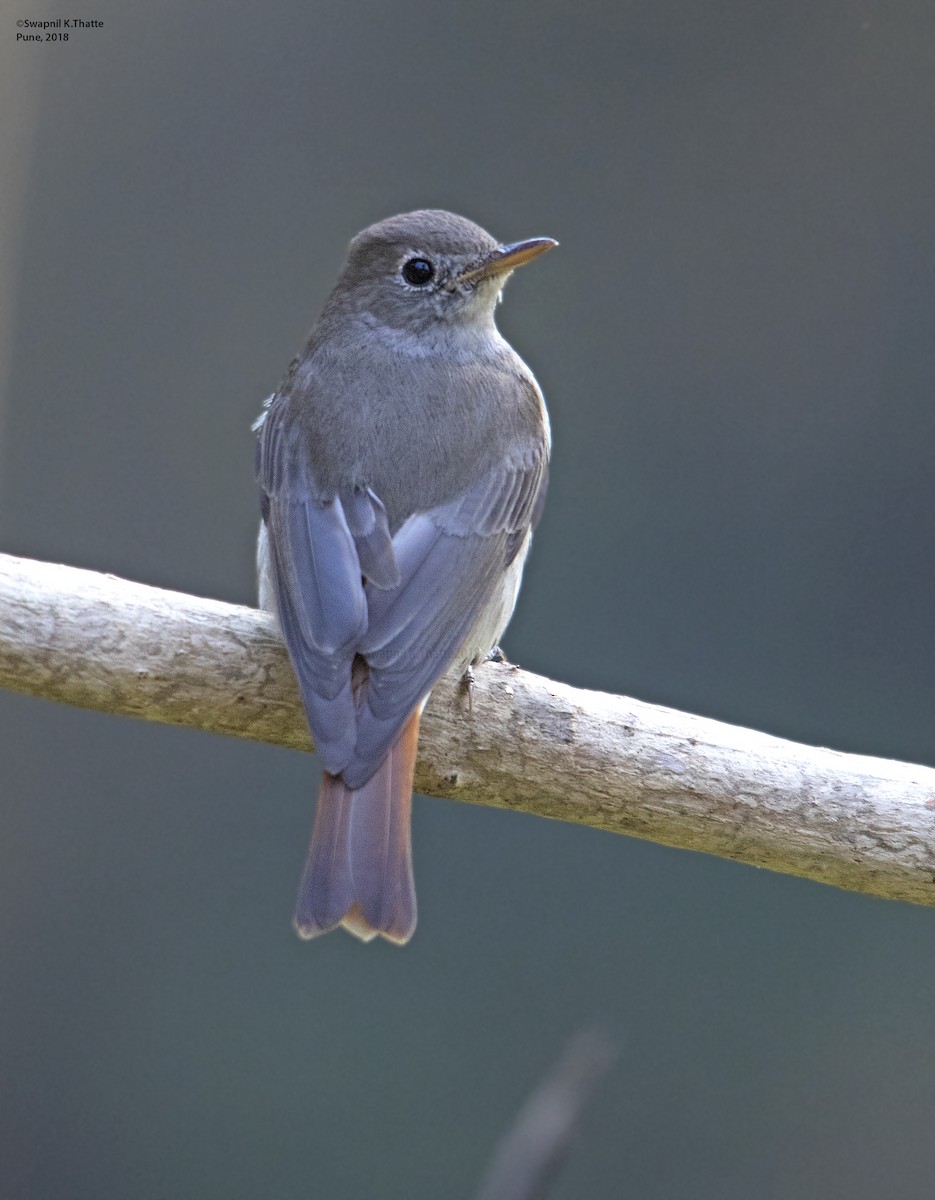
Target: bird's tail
[[359, 867]]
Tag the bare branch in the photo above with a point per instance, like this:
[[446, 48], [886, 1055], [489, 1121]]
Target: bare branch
[[526, 743], [533, 1151]]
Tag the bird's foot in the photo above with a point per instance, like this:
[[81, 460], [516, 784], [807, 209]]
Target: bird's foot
[[467, 682]]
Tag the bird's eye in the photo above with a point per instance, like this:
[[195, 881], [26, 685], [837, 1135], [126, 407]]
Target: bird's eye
[[418, 271]]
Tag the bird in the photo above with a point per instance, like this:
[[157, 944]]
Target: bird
[[402, 465]]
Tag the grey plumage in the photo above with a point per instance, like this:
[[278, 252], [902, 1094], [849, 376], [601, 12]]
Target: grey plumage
[[403, 464]]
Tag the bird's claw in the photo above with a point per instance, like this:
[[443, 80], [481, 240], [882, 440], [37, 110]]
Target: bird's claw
[[467, 682]]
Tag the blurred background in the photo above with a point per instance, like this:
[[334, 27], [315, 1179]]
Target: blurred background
[[737, 344]]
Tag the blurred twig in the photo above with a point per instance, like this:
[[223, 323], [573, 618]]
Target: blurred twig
[[533, 1151], [526, 743]]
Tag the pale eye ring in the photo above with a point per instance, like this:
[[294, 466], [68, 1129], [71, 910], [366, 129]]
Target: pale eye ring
[[418, 272]]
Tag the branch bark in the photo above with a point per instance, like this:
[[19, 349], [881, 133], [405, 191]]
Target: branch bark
[[525, 743]]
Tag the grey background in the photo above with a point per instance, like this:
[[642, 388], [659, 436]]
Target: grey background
[[736, 342]]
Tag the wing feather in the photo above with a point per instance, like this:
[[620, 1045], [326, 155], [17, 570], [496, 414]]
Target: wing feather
[[406, 605], [452, 561], [318, 586]]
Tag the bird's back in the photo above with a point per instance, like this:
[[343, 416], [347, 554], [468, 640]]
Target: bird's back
[[418, 426]]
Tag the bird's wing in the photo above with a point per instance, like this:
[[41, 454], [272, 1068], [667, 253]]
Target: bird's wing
[[406, 604], [322, 548], [452, 560]]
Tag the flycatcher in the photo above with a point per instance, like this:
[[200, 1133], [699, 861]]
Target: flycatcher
[[403, 466]]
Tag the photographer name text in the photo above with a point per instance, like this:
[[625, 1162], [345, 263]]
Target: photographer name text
[[53, 31]]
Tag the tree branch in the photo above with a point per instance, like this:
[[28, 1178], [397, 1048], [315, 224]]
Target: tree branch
[[525, 743]]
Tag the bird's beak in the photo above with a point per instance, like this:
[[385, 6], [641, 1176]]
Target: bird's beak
[[506, 258]]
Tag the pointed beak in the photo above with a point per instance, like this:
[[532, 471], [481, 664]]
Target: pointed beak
[[506, 258]]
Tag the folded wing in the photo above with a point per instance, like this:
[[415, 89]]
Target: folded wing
[[404, 605]]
